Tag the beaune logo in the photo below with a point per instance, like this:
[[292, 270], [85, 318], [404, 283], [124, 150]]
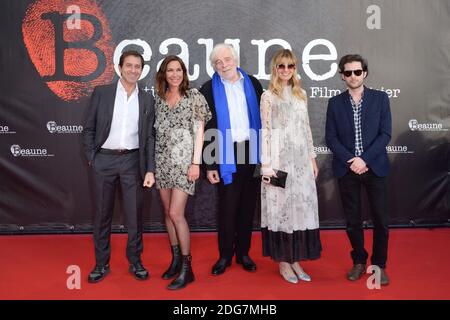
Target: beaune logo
[[18, 151], [389, 149], [5, 130], [70, 45], [15, 150], [414, 125], [53, 127], [398, 149], [322, 150]]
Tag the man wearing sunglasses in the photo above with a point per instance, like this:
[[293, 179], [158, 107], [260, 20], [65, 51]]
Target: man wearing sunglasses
[[358, 129]]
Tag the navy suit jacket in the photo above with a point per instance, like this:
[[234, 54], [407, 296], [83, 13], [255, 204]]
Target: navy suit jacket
[[98, 124], [376, 130]]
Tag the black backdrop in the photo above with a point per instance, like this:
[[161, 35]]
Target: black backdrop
[[50, 61]]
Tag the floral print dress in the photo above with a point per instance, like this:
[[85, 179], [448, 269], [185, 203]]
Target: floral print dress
[[175, 129]]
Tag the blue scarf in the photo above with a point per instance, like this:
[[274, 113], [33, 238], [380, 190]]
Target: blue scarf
[[227, 165]]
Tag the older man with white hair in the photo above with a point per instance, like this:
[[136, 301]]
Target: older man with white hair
[[233, 97]]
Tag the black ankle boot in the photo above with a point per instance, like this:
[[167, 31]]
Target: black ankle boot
[[175, 265], [186, 275]]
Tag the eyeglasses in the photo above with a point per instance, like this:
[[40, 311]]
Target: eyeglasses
[[283, 66], [348, 73]]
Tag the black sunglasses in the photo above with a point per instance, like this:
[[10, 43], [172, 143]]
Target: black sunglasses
[[283, 66], [348, 73]]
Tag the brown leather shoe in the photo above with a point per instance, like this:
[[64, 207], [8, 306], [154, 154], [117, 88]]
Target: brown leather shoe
[[384, 279], [356, 272]]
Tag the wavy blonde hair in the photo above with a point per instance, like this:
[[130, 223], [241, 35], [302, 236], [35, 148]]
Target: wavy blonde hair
[[275, 85]]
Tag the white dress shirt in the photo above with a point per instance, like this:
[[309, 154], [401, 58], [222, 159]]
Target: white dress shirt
[[237, 108], [125, 121]]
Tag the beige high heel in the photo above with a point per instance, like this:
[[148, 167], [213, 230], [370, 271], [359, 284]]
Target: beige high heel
[[287, 273], [301, 274]]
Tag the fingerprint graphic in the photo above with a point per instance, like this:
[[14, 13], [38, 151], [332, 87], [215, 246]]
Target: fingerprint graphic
[[71, 61]]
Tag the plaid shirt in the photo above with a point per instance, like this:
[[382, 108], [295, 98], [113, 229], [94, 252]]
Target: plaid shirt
[[357, 119]]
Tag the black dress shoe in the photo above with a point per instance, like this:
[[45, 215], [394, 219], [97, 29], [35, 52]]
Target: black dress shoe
[[138, 271], [220, 266], [247, 263], [98, 273]]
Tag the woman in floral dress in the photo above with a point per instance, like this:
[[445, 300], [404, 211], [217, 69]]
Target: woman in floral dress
[[180, 116]]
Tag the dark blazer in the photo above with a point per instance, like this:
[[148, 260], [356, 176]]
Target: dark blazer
[[206, 90], [376, 131], [98, 124]]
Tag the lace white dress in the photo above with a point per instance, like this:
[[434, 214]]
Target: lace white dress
[[289, 216]]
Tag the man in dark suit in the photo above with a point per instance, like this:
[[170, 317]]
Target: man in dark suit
[[119, 146], [233, 97], [358, 129]]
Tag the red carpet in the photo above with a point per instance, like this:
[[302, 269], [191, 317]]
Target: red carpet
[[34, 267]]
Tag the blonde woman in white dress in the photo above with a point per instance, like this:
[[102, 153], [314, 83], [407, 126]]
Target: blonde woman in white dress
[[289, 216]]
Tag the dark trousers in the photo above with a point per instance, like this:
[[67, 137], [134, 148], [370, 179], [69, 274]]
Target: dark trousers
[[376, 188], [109, 170], [237, 204]]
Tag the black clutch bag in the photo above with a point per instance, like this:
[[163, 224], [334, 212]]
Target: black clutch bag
[[278, 181]]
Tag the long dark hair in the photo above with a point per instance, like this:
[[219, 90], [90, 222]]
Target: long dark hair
[[161, 82]]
